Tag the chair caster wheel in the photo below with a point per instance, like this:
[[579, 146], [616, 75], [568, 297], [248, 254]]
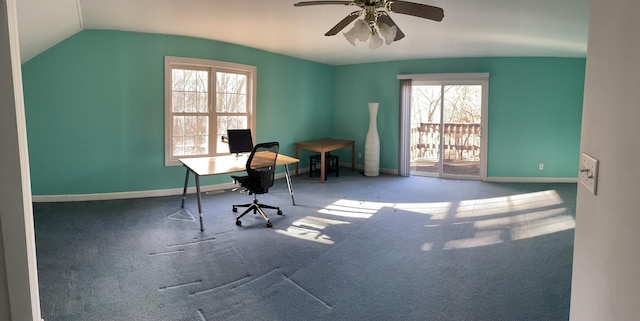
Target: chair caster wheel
[[269, 224], [279, 212], [235, 210], [239, 223]]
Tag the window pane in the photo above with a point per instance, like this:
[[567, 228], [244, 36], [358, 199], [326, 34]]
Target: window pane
[[241, 121], [178, 125], [203, 91], [425, 104], [190, 145], [222, 125], [231, 122], [190, 80], [203, 102], [177, 102], [222, 148], [178, 146], [190, 102], [190, 91], [203, 81], [177, 79], [203, 144], [231, 82], [190, 125], [203, 125], [231, 92], [231, 103], [463, 104]]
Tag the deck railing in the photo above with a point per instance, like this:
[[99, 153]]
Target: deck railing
[[461, 141]]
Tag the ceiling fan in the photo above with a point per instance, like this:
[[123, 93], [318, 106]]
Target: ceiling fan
[[376, 20]]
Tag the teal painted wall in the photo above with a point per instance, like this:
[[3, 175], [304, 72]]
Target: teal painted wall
[[95, 108], [535, 110]]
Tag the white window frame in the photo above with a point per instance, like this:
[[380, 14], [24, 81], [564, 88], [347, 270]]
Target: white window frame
[[212, 66]]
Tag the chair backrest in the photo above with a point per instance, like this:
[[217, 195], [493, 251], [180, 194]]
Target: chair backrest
[[261, 166]]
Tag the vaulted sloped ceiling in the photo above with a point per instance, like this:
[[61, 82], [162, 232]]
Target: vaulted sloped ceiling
[[471, 28]]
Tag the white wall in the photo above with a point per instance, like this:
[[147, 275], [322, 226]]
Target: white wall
[[606, 264], [19, 298]]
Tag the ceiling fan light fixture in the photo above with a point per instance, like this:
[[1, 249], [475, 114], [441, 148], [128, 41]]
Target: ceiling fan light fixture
[[360, 31], [376, 18], [375, 41], [388, 32], [351, 35]]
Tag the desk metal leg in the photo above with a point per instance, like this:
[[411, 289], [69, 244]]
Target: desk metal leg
[[199, 200], [297, 162], [286, 175], [184, 191]]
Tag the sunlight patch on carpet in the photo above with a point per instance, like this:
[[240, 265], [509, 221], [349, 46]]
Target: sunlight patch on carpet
[[310, 228], [483, 238], [437, 210], [508, 204], [517, 227], [351, 208]]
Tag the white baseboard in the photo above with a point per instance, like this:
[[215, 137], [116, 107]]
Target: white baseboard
[[361, 168], [532, 179]]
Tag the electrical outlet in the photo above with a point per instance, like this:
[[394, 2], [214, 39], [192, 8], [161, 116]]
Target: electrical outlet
[[359, 155], [588, 175], [541, 166]]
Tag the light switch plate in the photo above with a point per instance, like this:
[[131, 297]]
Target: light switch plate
[[588, 174]]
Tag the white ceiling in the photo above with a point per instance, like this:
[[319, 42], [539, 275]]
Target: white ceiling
[[471, 28]]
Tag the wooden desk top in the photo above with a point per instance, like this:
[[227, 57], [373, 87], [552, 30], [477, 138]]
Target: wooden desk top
[[325, 144], [204, 166]]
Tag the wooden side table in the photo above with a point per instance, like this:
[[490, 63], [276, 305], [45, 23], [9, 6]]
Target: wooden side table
[[323, 146]]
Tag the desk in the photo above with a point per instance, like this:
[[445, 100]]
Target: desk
[[205, 166], [326, 145]]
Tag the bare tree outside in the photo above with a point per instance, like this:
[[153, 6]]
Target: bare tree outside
[[445, 127], [463, 104]]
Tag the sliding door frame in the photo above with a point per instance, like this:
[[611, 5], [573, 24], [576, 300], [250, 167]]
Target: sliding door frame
[[447, 80]]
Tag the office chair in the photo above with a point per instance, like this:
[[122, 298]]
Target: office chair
[[261, 166]]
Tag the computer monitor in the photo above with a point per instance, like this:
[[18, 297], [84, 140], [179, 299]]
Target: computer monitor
[[240, 141]]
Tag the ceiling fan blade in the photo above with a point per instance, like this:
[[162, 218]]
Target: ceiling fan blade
[[417, 10], [343, 23], [389, 22], [313, 3]]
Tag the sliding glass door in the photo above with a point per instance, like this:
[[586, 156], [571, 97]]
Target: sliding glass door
[[447, 119]]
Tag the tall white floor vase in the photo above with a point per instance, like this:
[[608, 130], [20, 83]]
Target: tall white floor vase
[[372, 144]]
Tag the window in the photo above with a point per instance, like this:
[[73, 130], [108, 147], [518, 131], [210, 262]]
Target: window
[[204, 98]]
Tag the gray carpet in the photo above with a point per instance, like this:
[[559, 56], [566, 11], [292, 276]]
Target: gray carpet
[[354, 248]]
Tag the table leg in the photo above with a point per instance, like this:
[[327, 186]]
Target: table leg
[[286, 175], [322, 168], [353, 157], [184, 191], [199, 200], [297, 158]]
